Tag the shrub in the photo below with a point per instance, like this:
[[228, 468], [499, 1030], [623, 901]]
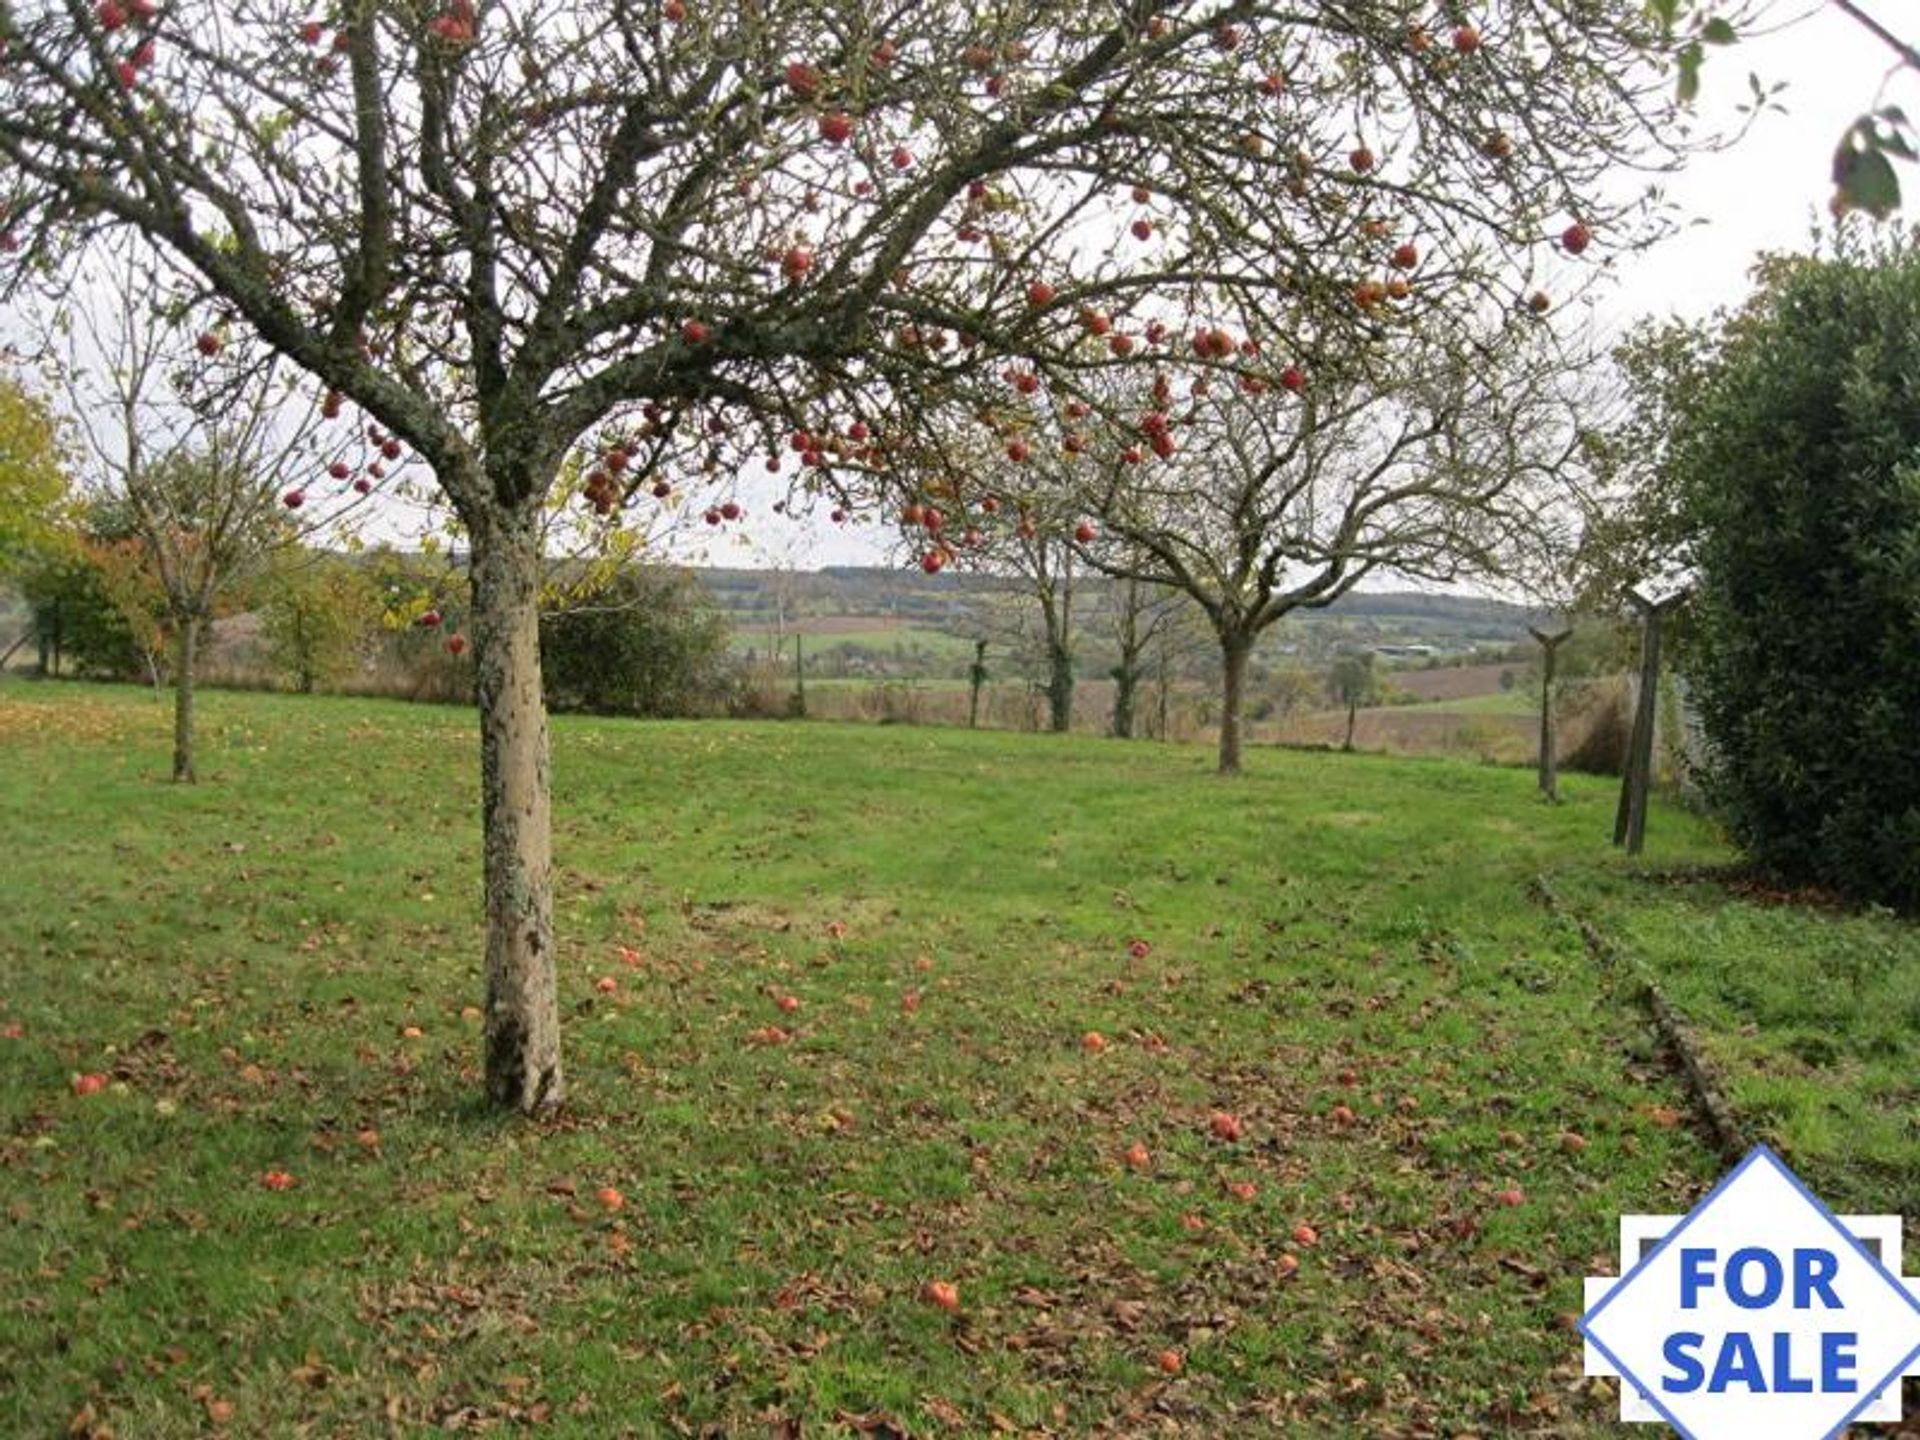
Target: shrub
[[1596, 720], [1799, 463], [645, 644]]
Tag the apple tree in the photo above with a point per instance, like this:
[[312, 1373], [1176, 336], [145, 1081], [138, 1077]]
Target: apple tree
[[675, 241], [1422, 456]]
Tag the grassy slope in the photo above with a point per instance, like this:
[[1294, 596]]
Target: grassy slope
[[243, 958]]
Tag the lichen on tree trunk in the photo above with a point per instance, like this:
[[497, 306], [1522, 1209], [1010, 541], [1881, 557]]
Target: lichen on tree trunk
[[523, 1019]]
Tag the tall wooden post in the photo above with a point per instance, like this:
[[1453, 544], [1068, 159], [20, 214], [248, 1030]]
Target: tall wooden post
[[1550, 643], [799, 679], [1630, 820]]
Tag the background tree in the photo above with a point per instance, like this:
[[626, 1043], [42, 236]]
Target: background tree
[[37, 523], [1634, 525], [1352, 681], [211, 478], [320, 612], [1134, 614], [76, 611], [121, 566], [1283, 499], [34, 482], [1796, 462], [1037, 566], [670, 238]]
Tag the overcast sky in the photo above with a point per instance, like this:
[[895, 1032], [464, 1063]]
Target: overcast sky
[[1763, 193]]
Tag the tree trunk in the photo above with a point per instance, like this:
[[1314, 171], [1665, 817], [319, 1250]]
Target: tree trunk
[[1059, 687], [1166, 691], [1234, 650], [50, 644], [1353, 710], [523, 1016], [185, 656], [303, 652], [1126, 683], [976, 678]]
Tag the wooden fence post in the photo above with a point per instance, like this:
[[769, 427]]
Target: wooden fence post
[[1630, 820], [1550, 643]]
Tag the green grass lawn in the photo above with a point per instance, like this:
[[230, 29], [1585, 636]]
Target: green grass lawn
[[275, 972]]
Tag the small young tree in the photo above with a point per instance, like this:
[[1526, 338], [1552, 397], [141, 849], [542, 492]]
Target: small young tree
[[320, 612], [1352, 681], [211, 480], [977, 676]]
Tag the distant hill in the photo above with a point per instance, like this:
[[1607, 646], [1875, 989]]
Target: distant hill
[[953, 603]]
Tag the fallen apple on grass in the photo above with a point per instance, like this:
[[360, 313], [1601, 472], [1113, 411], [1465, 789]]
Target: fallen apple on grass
[[943, 1295]]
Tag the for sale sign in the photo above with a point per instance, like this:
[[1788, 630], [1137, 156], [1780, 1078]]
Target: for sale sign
[[1760, 1314]]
